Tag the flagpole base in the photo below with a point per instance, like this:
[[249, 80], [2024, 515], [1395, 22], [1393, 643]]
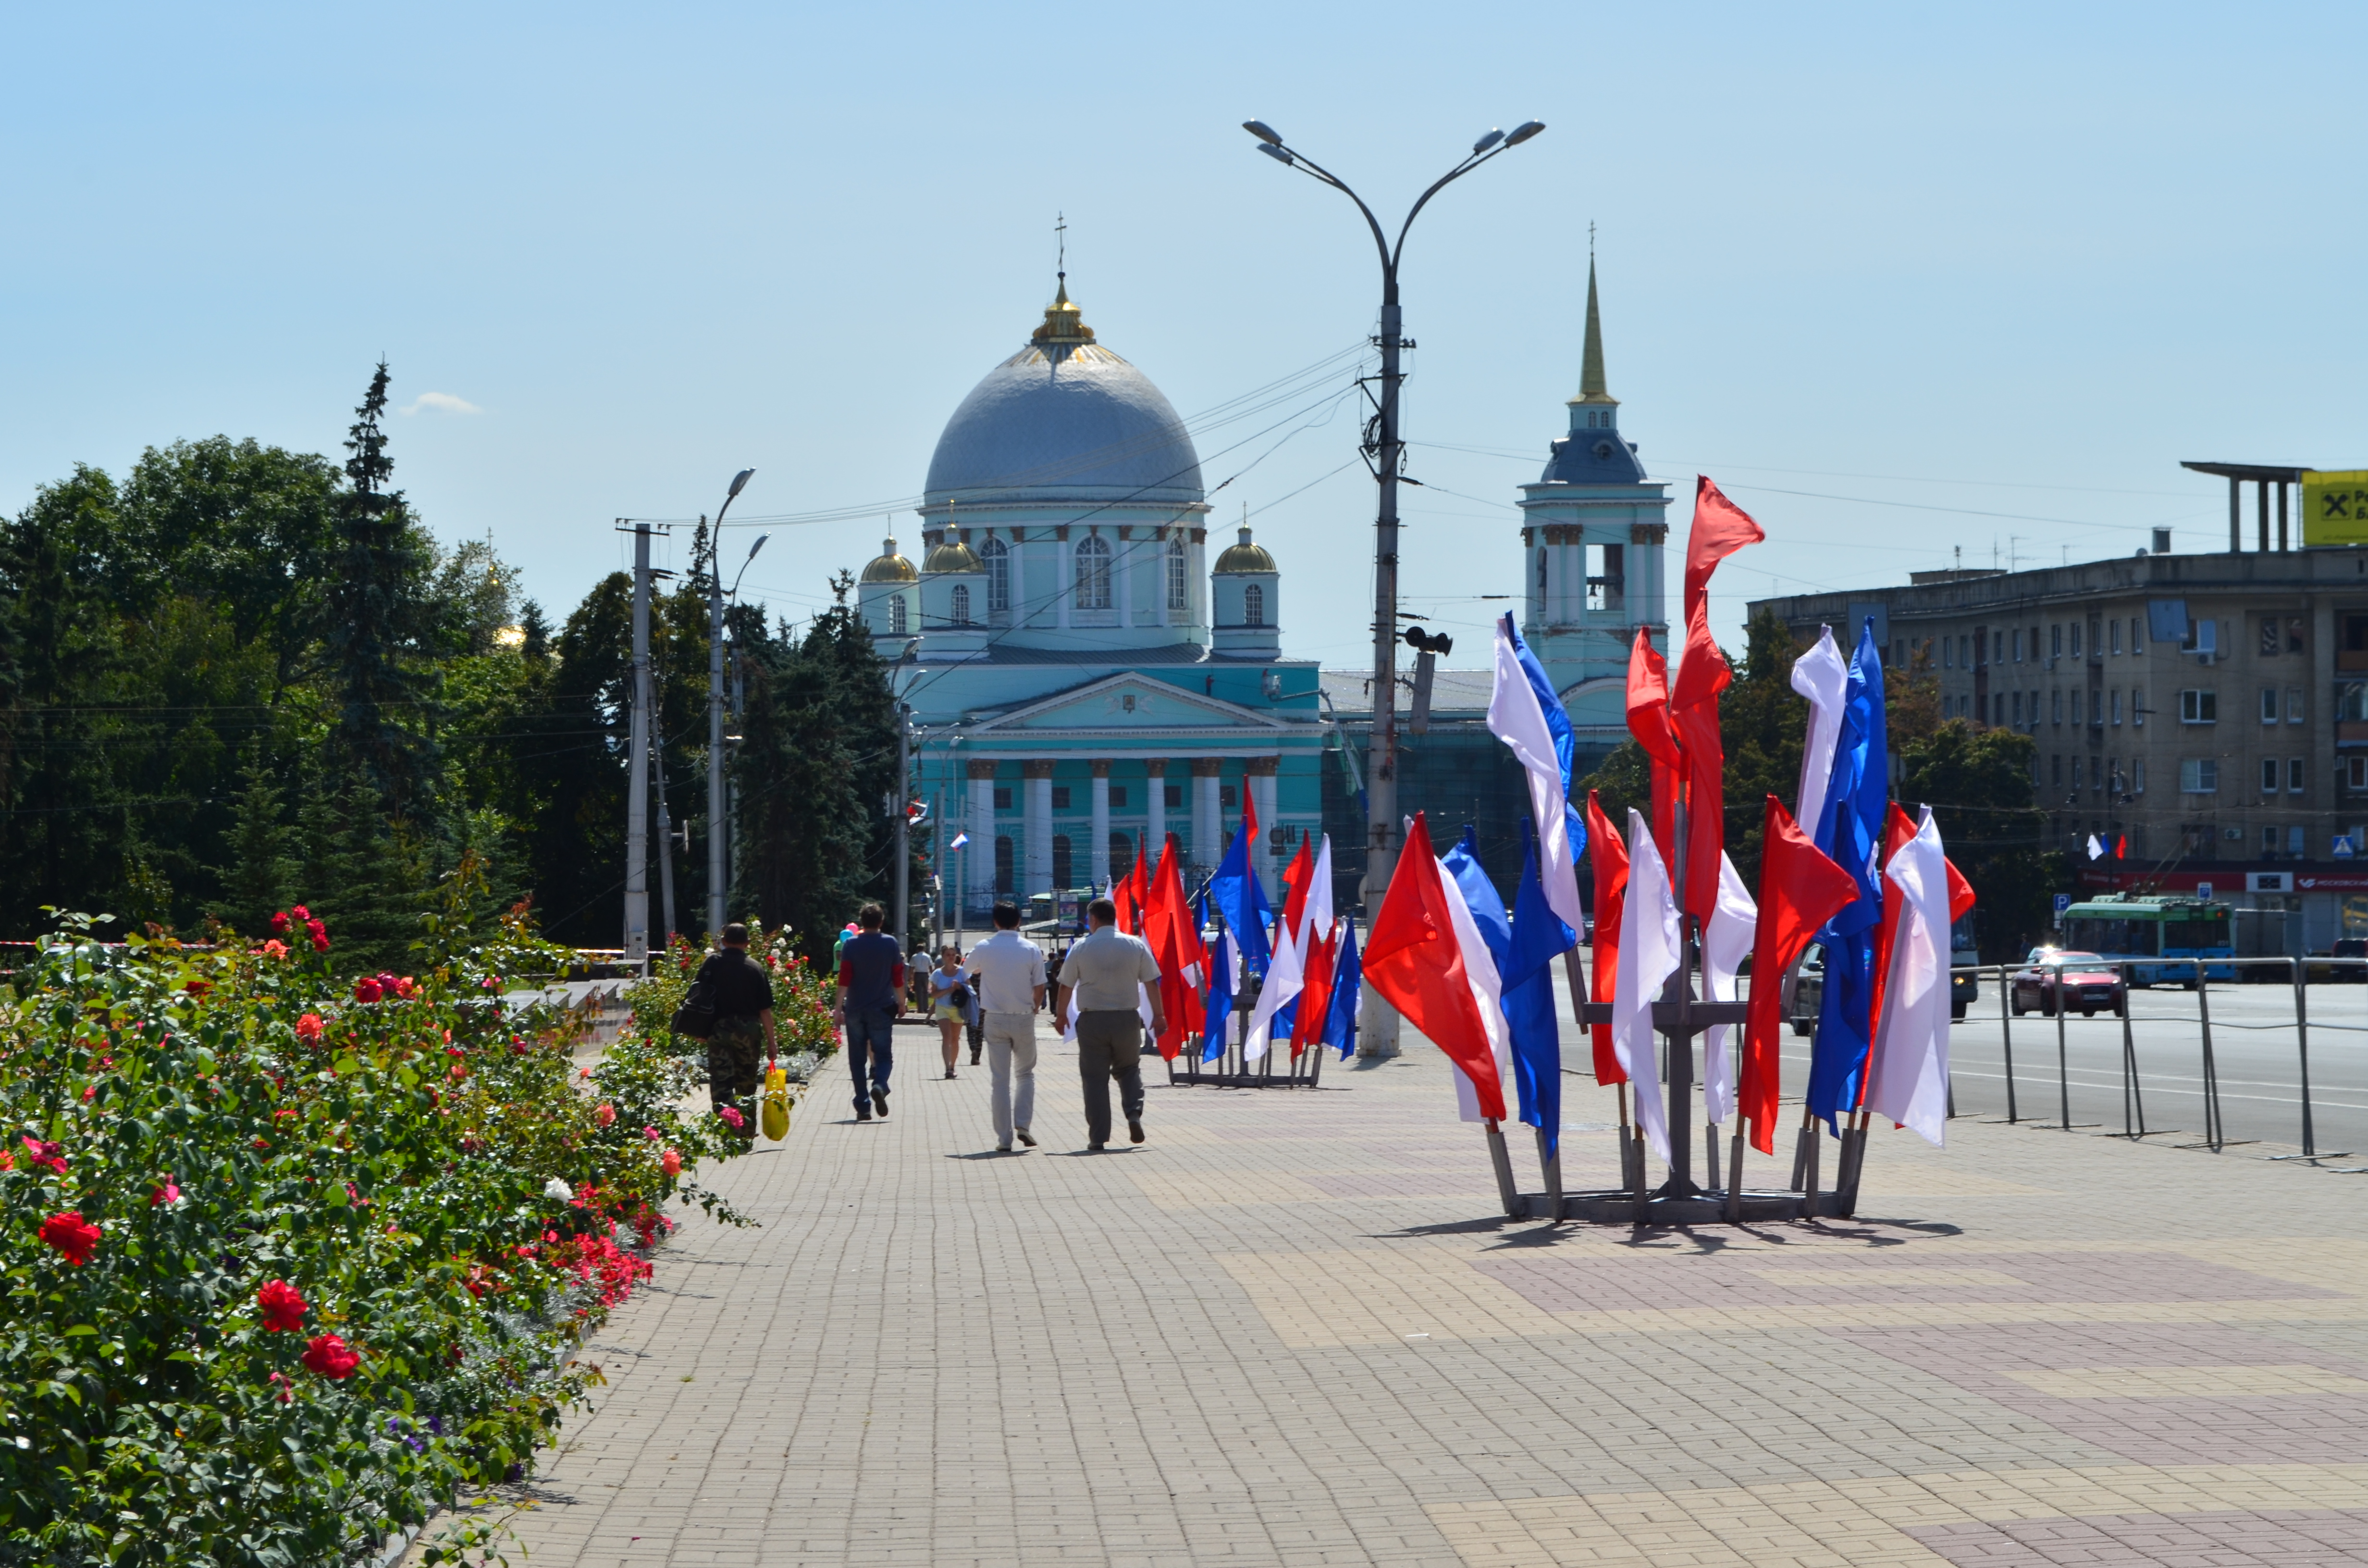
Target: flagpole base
[[1752, 1206]]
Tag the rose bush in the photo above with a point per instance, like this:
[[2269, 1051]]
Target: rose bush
[[801, 996], [285, 1268]]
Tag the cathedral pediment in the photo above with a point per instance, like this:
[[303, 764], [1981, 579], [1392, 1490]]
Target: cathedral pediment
[[1128, 702]]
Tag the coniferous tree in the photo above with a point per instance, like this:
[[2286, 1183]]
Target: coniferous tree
[[262, 870]]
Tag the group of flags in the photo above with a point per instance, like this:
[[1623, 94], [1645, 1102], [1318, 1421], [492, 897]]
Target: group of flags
[[1305, 958], [1863, 877]]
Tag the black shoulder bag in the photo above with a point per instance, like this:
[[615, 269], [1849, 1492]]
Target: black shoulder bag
[[696, 1018]]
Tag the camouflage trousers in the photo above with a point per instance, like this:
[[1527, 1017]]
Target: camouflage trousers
[[735, 1053]]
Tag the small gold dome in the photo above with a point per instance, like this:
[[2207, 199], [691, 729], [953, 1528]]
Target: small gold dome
[[890, 567], [1064, 322], [953, 556], [1245, 557]]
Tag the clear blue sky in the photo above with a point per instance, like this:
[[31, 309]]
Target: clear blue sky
[[1902, 279]]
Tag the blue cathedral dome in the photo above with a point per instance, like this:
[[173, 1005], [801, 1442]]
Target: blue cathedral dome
[[1064, 420]]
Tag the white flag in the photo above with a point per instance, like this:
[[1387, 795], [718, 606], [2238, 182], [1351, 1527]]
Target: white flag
[[1317, 914], [1516, 718], [1285, 974], [1726, 942], [2095, 850], [1487, 992], [1822, 675], [1907, 1071], [1650, 951]]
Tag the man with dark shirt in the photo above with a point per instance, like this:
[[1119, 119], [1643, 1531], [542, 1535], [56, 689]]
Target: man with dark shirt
[[871, 1000], [743, 994]]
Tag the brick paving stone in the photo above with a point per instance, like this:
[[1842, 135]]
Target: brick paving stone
[[1290, 1329]]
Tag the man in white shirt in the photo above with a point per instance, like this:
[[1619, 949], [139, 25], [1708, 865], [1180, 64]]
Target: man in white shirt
[[1111, 973], [1007, 972]]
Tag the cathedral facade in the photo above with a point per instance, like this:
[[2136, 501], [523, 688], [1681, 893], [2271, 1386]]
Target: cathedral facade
[[1084, 680]]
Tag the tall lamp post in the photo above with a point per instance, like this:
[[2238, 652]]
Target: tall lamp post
[[715, 837], [1385, 450]]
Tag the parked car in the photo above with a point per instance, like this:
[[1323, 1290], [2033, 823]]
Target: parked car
[[2089, 983], [2346, 947], [1804, 989]]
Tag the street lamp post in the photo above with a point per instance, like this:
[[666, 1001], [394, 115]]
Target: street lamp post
[[1385, 449], [716, 867]]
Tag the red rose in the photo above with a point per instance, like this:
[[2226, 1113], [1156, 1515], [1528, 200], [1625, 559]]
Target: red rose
[[168, 1193], [366, 991], [280, 924], [671, 1163], [300, 913], [51, 1154], [603, 1114], [275, 948], [327, 1355], [406, 988], [320, 943], [282, 1307], [72, 1235], [309, 1027]]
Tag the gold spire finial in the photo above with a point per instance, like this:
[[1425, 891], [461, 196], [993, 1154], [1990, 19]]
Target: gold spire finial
[[1591, 371], [1062, 321]]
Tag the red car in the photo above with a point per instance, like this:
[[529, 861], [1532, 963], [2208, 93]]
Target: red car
[[2090, 986]]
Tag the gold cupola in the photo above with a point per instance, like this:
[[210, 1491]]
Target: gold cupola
[[1064, 322], [890, 567]]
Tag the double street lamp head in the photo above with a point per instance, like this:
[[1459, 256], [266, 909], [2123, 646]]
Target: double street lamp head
[[1270, 139]]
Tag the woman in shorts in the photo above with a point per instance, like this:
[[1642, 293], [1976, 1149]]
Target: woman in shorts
[[948, 1002]]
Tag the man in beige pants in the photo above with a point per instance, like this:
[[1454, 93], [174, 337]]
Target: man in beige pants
[[1007, 973], [1111, 973]]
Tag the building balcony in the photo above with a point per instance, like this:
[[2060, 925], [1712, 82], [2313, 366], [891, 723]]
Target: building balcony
[[2351, 733], [2349, 659]]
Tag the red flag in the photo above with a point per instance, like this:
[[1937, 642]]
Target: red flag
[[1648, 721], [1168, 927], [1799, 890], [1314, 990], [1899, 827], [1721, 528], [1609, 854], [2121, 852], [1122, 894], [1414, 961], [1295, 880], [1138, 887]]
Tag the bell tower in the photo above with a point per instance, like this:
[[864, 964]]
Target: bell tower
[[1592, 533]]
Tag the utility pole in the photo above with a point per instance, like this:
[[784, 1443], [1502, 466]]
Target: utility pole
[[637, 771], [718, 859], [1387, 451], [903, 819], [666, 836]]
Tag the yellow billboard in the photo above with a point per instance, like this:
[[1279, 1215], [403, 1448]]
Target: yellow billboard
[[2334, 507]]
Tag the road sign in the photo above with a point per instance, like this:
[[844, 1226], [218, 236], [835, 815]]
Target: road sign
[[2343, 850], [2203, 889], [2063, 903]]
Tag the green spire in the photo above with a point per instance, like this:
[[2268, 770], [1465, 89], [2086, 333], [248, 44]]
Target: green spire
[[1591, 374]]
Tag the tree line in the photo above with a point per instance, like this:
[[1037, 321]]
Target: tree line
[[239, 678]]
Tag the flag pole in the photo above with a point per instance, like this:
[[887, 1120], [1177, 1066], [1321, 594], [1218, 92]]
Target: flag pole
[[1502, 1158]]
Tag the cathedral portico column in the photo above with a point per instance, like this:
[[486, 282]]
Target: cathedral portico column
[[1155, 800], [1038, 818], [978, 873], [1101, 859], [1262, 771], [1207, 824]]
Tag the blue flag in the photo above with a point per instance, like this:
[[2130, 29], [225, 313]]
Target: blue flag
[[1348, 991], [1219, 1006], [1462, 863], [1856, 798], [1531, 1013], [1235, 893]]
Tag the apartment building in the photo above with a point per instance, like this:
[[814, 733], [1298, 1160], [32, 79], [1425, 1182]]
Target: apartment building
[[2209, 712]]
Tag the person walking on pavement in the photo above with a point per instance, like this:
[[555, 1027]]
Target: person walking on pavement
[[871, 1000], [1110, 973], [743, 994], [1006, 980], [949, 1001]]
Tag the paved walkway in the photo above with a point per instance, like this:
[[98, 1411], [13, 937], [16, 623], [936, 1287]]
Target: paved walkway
[[1290, 1329]]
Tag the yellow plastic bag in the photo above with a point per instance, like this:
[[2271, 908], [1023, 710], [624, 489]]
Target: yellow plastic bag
[[775, 1117]]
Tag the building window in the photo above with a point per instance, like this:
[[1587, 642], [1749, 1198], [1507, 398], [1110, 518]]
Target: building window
[[1175, 796], [2202, 639], [2199, 776], [2137, 776], [1544, 556], [997, 556], [1003, 799], [1061, 861], [2294, 705], [2352, 772], [2351, 700], [2293, 843], [1118, 797], [2032, 727], [2056, 706], [2055, 640], [2270, 637], [1061, 802], [1092, 560], [2268, 776], [1606, 576], [2269, 844], [2076, 639], [2137, 704], [2018, 710], [2269, 705], [2076, 709], [1948, 653], [2117, 637], [2137, 635], [1253, 604], [1965, 652], [2294, 774], [1121, 854], [2199, 707], [2293, 634], [961, 604], [1178, 576], [2018, 644], [1228, 796], [895, 614], [2055, 770], [1003, 864]]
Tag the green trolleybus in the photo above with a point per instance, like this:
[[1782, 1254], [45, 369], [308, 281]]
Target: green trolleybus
[[2132, 928]]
